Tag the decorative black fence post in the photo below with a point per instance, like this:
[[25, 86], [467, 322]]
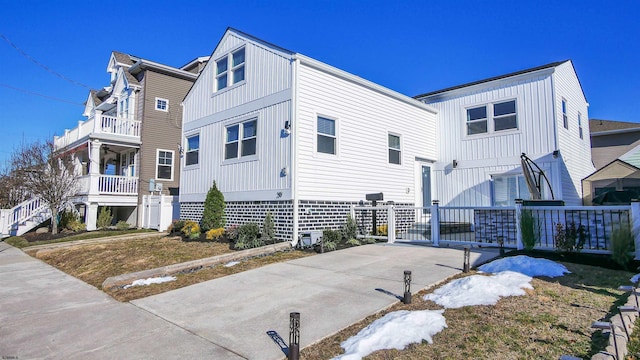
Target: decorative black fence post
[[467, 259], [294, 336], [407, 287]]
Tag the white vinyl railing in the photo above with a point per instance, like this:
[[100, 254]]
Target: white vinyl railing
[[19, 214], [115, 184], [105, 125]]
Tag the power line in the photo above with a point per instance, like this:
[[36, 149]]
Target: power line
[[41, 64], [37, 94]]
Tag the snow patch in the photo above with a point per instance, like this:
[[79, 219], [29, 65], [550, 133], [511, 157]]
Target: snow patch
[[149, 281], [231, 263], [480, 289], [526, 265], [395, 330]]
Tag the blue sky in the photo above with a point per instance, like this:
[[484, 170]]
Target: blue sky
[[412, 47]]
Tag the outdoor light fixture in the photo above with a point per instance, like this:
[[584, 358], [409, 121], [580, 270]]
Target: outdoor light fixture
[[556, 153], [287, 127], [407, 287], [467, 257], [294, 336], [455, 164]]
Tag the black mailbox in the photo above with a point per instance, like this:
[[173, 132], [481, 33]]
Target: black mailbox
[[375, 197]]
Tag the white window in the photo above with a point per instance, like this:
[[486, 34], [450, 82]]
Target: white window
[[326, 130], [164, 165], [241, 139], [192, 150], [503, 116], [162, 104], [508, 188], [230, 69], [565, 118], [580, 125], [395, 154]]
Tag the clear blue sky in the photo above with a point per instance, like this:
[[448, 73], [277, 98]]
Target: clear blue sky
[[411, 47]]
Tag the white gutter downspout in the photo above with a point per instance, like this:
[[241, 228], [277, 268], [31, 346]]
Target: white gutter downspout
[[294, 147], [557, 178]]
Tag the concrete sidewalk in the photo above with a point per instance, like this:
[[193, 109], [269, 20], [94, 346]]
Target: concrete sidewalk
[[45, 313], [331, 291]]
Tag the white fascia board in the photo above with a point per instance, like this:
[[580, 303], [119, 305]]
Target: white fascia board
[[154, 65], [305, 60], [197, 60], [441, 96], [617, 131]]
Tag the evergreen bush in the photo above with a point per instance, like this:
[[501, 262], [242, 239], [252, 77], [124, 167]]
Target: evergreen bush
[[249, 236], [527, 229], [122, 225], [104, 218], [213, 214], [268, 229], [350, 228], [622, 245], [330, 239]]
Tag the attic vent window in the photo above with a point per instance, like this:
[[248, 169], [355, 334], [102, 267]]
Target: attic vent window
[[162, 104], [230, 69]]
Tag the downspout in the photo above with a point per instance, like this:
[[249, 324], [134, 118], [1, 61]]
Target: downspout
[[557, 178], [293, 151]]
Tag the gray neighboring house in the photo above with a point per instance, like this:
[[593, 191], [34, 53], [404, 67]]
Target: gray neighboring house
[[131, 137]]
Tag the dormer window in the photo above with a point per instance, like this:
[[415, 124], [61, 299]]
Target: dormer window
[[230, 69]]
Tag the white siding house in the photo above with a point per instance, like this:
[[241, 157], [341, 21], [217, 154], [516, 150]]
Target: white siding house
[[484, 126], [283, 133]]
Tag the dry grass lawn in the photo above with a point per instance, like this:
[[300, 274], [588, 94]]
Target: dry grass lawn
[[95, 263], [552, 320]]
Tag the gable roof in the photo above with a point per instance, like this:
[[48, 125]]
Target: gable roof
[[616, 162], [605, 127], [521, 72]]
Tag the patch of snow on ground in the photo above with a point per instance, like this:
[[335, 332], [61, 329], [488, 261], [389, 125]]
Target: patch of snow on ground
[[149, 281], [231, 263], [526, 265], [635, 278], [480, 289], [395, 330]]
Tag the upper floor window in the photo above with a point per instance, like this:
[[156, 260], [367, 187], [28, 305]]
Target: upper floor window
[[164, 165], [394, 149], [580, 125], [230, 69], [565, 118], [326, 135], [492, 117], [192, 150], [162, 104], [241, 140]]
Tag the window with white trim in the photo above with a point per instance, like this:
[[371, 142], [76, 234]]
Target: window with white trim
[[506, 189], [492, 117], [164, 164], [326, 135], [580, 125], [230, 69], [241, 139], [192, 150], [162, 104], [565, 118], [395, 153]]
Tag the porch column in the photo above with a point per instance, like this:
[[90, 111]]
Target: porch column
[[94, 166], [518, 214], [91, 216], [97, 121]]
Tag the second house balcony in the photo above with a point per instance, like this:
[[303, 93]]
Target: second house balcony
[[102, 127], [100, 184]]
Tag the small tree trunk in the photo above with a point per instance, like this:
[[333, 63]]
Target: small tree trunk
[[54, 220]]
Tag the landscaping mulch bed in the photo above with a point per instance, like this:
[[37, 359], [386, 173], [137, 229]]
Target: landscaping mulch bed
[[551, 320]]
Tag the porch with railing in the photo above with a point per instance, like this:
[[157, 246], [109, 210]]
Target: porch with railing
[[107, 125], [99, 184], [590, 227]]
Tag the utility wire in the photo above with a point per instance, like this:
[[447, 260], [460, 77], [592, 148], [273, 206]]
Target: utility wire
[[41, 64], [44, 96]]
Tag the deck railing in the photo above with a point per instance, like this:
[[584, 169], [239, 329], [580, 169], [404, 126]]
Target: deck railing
[[105, 125], [108, 184]]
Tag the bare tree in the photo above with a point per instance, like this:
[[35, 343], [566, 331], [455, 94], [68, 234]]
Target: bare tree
[[45, 172]]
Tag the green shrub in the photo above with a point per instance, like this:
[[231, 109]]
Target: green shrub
[[350, 228], [194, 236], [76, 225], [213, 214], [176, 226], [330, 239], [249, 236], [104, 218], [354, 242], [268, 229], [66, 216], [231, 233], [190, 227], [622, 245], [122, 225], [527, 229], [214, 234]]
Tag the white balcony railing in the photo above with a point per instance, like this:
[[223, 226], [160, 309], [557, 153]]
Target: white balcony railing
[[108, 185], [105, 125]]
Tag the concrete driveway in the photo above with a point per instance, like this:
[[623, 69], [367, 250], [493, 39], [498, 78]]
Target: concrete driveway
[[45, 313]]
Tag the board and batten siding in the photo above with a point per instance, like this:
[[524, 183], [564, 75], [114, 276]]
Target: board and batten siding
[[576, 152], [160, 129], [267, 72], [364, 118]]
